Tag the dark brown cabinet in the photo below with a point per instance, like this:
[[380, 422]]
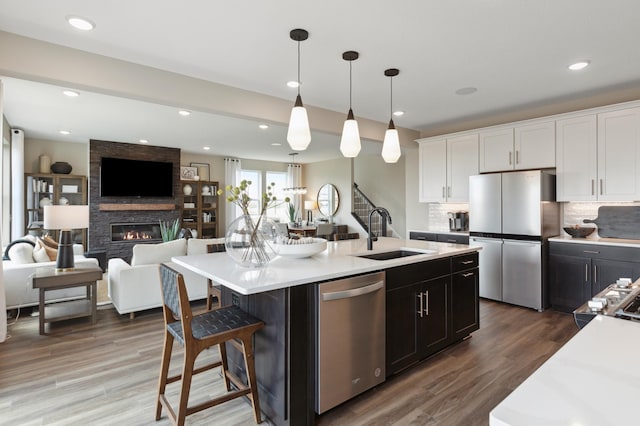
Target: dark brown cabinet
[[439, 237], [579, 271], [199, 210], [429, 305]]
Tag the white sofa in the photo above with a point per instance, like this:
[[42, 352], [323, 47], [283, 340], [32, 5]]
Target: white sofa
[[135, 287], [18, 285]]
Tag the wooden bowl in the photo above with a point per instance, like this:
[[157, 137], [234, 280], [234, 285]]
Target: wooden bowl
[[580, 232]]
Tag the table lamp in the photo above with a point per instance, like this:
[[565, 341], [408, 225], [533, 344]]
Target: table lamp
[[309, 205], [65, 218]]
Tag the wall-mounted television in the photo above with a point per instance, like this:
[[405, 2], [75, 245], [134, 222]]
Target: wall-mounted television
[[121, 177]]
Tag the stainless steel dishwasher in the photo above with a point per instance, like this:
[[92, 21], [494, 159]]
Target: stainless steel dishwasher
[[350, 338]]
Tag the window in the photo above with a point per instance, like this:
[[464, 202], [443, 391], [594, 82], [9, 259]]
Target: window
[[280, 209], [254, 190]]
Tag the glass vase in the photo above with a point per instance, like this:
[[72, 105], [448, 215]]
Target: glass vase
[[251, 241]]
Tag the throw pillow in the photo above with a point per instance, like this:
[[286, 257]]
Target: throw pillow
[[40, 253], [50, 242], [21, 252], [6, 256], [52, 253]]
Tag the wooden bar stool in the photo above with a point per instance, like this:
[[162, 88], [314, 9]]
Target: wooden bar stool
[[197, 333], [214, 291]]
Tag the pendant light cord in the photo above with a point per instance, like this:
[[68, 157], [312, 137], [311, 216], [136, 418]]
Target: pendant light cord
[[391, 98], [299, 68], [350, 83]]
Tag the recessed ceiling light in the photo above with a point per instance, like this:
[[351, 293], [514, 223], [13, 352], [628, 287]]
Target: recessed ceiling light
[[264, 126], [65, 132], [466, 90], [206, 148], [80, 23], [144, 141], [398, 113], [579, 65], [71, 93], [293, 84], [276, 144], [184, 113]]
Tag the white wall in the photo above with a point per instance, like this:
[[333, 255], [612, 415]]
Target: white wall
[[76, 154], [384, 184]]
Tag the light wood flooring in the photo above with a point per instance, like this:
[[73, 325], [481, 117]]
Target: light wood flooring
[[107, 374]]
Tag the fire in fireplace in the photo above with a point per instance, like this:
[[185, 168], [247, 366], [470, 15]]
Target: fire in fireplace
[[135, 231]]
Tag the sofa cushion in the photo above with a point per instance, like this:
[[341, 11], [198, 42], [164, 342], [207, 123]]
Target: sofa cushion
[[40, 254], [199, 245], [21, 252], [145, 254]]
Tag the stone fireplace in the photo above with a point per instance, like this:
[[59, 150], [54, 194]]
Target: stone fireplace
[[111, 216]]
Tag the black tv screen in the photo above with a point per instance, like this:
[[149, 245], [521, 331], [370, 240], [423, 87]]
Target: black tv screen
[[135, 178]]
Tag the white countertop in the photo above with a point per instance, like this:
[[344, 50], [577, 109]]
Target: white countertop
[[336, 261], [597, 240], [591, 380]]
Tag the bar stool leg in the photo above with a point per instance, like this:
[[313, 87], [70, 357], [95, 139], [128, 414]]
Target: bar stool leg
[[247, 343], [225, 364]]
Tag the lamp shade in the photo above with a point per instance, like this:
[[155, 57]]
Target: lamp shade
[[299, 134], [350, 141], [66, 217], [391, 146], [309, 204]]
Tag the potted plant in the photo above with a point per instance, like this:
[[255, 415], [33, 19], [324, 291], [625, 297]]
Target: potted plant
[[169, 230], [292, 213]]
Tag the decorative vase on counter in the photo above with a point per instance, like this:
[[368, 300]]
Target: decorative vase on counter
[[61, 167], [251, 241]]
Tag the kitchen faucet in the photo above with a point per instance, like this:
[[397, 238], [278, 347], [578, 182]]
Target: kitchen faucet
[[380, 211]]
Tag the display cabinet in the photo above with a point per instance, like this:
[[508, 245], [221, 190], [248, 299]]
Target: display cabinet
[[57, 189], [199, 209]]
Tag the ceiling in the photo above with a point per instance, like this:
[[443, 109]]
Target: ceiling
[[515, 52]]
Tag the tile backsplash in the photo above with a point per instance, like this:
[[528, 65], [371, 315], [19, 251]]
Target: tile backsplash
[[574, 213], [437, 219]]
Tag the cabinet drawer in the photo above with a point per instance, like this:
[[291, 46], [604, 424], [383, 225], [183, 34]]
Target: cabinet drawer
[[417, 272], [423, 236], [464, 262], [453, 238], [595, 251]]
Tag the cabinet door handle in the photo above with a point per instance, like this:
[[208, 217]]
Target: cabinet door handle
[[426, 303], [443, 194], [591, 251], [586, 272], [601, 186], [466, 262], [593, 187], [517, 157], [595, 273], [421, 304], [510, 154], [452, 241], [449, 191], [468, 274]]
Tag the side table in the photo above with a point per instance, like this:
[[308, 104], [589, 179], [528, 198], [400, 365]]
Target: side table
[[48, 279]]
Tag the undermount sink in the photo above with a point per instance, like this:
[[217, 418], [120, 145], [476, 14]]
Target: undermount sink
[[394, 254]]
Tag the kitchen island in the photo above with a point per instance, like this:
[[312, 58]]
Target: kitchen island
[[591, 380], [284, 295]]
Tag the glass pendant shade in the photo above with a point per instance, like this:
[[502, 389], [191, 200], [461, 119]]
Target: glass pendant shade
[[350, 141], [391, 145], [299, 134]]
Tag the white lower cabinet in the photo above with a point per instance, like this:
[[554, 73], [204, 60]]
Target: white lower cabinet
[[445, 167]]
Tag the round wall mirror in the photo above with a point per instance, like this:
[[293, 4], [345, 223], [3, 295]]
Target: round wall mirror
[[328, 200]]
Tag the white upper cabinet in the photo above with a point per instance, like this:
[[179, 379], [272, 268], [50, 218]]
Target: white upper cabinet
[[496, 150], [445, 167], [530, 146], [619, 155], [576, 159], [598, 157], [535, 146]]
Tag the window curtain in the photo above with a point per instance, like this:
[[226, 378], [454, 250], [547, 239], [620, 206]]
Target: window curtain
[[232, 168], [294, 180]]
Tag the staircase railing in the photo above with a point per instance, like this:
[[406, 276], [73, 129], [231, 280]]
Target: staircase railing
[[362, 205]]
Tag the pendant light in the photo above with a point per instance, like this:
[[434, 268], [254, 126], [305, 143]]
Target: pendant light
[[299, 134], [391, 145], [350, 141]]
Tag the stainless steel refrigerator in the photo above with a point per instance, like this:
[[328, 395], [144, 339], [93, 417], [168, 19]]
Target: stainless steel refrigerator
[[511, 216]]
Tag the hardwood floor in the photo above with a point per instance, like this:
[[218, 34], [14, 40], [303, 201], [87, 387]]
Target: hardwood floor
[[107, 374]]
